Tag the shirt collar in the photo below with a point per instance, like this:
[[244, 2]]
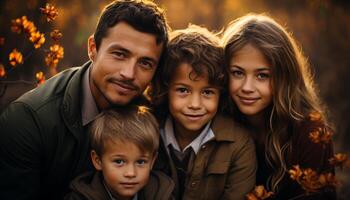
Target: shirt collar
[[89, 108], [168, 136]]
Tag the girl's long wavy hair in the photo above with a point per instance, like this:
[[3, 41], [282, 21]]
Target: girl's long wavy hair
[[294, 94]]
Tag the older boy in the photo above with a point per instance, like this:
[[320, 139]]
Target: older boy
[[208, 155], [124, 147]]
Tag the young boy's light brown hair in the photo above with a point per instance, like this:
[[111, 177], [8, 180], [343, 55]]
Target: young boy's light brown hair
[[134, 124]]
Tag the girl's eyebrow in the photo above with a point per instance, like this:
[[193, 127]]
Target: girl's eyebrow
[[262, 68]]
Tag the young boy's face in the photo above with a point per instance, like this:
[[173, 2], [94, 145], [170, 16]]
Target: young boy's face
[[192, 103], [124, 166]]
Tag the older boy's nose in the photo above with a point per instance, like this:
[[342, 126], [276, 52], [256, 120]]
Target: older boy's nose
[[195, 101], [130, 171], [128, 70]]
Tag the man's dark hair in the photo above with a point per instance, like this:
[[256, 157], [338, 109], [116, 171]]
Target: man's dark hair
[[143, 15]]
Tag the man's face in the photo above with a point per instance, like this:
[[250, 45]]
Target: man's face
[[123, 65]]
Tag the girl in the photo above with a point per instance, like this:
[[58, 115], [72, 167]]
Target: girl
[[271, 91]]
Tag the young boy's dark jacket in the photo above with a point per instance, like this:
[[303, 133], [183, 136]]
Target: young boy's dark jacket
[[89, 186]]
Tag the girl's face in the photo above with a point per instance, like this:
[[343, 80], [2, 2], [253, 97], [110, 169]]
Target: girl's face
[[249, 80]]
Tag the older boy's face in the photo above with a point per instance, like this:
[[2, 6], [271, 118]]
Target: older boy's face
[[123, 66], [124, 167], [192, 103]]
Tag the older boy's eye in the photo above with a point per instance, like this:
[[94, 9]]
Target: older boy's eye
[[208, 92], [182, 90]]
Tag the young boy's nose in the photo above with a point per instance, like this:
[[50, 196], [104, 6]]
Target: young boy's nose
[[130, 171]]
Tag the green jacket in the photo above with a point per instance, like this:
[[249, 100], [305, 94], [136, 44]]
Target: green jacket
[[42, 142], [89, 186], [224, 167]]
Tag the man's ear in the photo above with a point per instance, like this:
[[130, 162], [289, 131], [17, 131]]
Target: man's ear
[[96, 160], [92, 51]]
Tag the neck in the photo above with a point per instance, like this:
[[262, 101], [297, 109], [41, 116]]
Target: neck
[[184, 136], [259, 126]]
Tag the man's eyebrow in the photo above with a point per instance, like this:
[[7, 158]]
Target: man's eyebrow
[[117, 46]]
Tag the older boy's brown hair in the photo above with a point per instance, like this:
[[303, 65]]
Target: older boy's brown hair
[[133, 124], [198, 47]]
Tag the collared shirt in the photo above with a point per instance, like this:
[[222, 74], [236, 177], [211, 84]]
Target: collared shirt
[[168, 137], [89, 110]]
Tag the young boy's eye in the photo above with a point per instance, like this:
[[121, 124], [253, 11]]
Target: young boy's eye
[[141, 162], [119, 161]]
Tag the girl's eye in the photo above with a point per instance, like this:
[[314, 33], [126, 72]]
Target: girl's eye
[[119, 161], [236, 73], [263, 76]]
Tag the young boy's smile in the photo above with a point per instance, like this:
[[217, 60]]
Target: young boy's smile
[[124, 166], [193, 102]]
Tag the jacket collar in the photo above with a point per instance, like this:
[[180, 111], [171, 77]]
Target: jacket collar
[[225, 127], [71, 105]]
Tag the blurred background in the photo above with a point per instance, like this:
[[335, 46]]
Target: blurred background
[[322, 28]]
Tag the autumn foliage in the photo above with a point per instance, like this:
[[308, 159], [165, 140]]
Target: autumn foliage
[[309, 179], [23, 25]]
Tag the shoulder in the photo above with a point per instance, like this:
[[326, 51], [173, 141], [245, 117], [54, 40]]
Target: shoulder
[[159, 186], [88, 186], [226, 128], [52, 89], [312, 145]]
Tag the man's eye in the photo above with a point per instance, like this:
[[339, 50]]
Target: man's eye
[[119, 55], [146, 64]]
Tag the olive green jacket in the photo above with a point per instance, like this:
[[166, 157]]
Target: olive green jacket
[[224, 168], [43, 145]]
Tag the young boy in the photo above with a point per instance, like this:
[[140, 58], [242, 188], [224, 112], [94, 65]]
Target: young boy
[[124, 147], [209, 156]]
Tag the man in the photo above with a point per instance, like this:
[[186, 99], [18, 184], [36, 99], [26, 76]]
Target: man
[[43, 141]]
